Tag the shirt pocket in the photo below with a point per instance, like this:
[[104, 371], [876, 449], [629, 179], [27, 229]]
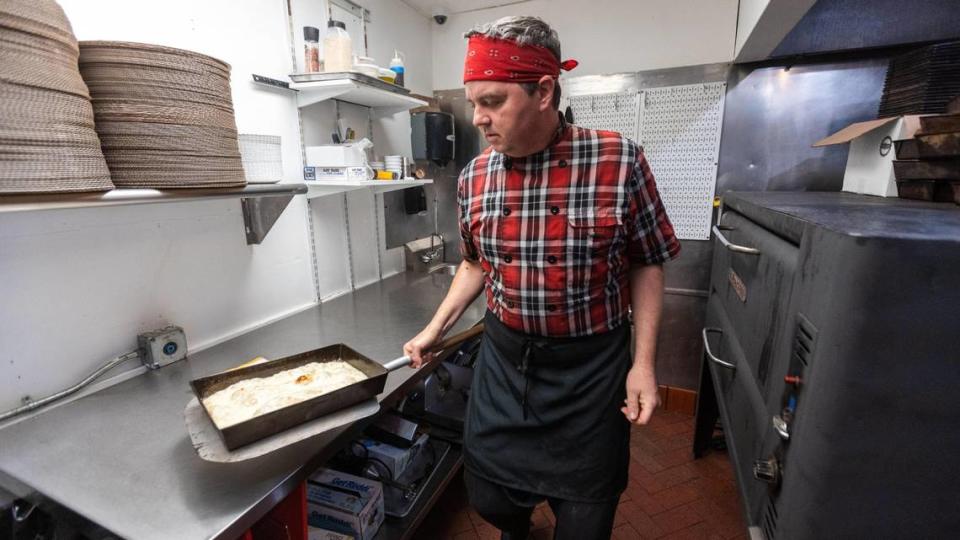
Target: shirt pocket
[[590, 236]]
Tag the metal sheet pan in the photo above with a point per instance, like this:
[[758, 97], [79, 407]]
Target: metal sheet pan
[[362, 78], [274, 422]]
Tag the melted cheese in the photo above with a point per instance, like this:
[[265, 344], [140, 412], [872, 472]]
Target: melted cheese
[[250, 398]]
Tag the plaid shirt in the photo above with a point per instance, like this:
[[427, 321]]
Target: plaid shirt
[[557, 231]]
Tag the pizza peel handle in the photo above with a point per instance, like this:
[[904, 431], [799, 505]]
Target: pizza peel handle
[[455, 339]]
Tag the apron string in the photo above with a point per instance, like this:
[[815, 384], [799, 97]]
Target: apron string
[[526, 354]]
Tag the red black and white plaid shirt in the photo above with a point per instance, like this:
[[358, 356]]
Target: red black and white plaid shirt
[[557, 231]]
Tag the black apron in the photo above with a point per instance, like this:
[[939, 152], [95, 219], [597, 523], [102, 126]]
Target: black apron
[[544, 413]]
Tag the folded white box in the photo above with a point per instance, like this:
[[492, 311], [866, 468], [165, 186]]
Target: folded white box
[[870, 161]]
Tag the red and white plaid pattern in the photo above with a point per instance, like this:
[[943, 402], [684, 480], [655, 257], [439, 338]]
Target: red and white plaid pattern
[[557, 232]]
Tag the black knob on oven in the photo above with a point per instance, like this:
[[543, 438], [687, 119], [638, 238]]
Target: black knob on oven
[[767, 470]]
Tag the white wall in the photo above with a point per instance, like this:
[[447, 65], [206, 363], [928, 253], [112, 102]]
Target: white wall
[[606, 36], [78, 285]]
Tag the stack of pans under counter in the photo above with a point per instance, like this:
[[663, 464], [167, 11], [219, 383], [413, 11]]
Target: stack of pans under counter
[[164, 116], [47, 138]]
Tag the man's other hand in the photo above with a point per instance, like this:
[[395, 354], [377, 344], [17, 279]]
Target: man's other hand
[[642, 397]]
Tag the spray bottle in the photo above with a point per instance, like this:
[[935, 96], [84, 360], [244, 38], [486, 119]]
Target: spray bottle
[[396, 65]]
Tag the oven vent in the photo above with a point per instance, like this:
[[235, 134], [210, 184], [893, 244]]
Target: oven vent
[[770, 520], [804, 339]]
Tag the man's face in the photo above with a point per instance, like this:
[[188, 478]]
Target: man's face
[[505, 114]]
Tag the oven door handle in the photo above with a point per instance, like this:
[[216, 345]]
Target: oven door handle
[[733, 247], [710, 355]]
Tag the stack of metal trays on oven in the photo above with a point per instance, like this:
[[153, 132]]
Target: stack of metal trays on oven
[[47, 137], [922, 81], [164, 115], [928, 166]]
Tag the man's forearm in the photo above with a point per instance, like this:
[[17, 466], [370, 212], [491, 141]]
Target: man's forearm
[[646, 301], [467, 284]]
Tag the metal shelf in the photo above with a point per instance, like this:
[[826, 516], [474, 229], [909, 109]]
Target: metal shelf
[[322, 189], [262, 204], [384, 102]]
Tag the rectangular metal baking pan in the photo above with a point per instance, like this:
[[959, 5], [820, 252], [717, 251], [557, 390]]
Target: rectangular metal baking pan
[[274, 422]]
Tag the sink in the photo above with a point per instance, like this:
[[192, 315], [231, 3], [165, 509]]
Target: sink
[[448, 269]]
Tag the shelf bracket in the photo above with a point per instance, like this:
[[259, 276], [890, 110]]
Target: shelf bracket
[[260, 214]]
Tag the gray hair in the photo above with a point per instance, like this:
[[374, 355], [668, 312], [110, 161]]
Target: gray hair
[[524, 30]]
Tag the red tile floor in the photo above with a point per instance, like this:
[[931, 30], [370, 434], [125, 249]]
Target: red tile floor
[[670, 495]]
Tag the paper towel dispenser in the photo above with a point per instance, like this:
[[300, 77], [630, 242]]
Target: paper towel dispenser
[[433, 136]]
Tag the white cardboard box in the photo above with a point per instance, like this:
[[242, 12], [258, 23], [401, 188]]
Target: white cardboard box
[[345, 503], [870, 161]]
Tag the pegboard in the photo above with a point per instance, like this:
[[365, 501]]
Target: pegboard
[[621, 112], [681, 139]]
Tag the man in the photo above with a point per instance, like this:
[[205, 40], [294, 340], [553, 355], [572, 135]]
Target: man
[[564, 229]]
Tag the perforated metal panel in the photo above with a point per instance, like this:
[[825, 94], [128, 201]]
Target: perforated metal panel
[[621, 112], [681, 139]]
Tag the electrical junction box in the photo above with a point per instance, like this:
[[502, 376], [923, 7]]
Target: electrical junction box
[[161, 347]]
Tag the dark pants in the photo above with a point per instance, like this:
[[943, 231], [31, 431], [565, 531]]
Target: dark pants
[[509, 510]]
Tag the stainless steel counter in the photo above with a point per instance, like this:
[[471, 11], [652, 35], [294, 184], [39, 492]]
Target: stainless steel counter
[[122, 458]]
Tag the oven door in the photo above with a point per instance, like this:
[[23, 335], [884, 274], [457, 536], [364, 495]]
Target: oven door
[[746, 422], [752, 279]]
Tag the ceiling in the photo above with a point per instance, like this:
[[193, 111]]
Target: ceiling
[[428, 7]]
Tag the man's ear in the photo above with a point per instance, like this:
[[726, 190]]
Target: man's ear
[[547, 86]]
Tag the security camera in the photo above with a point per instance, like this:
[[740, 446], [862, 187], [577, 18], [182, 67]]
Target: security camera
[[440, 15]]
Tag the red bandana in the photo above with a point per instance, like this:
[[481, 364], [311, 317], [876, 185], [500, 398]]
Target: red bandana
[[492, 59]]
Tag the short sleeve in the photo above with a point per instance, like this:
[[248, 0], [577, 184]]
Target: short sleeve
[[650, 236], [468, 247]]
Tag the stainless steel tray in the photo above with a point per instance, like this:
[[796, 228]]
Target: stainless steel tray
[[352, 75]]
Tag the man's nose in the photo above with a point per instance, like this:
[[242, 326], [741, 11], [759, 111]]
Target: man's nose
[[480, 118]]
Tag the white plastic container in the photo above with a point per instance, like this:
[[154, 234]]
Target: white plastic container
[[388, 75], [337, 48], [366, 65]]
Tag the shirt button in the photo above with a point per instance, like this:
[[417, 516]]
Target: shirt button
[[551, 259], [554, 210], [506, 211], [551, 307], [563, 163], [510, 305], [507, 259]]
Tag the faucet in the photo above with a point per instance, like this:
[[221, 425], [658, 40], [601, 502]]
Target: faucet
[[434, 252]]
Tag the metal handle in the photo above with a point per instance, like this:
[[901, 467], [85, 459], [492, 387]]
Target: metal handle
[[455, 339], [710, 355], [733, 247], [398, 363]]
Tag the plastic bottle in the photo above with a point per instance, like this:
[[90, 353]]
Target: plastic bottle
[[337, 48], [396, 65], [311, 49]]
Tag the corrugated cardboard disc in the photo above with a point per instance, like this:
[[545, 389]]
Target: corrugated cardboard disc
[[165, 115], [47, 137]]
